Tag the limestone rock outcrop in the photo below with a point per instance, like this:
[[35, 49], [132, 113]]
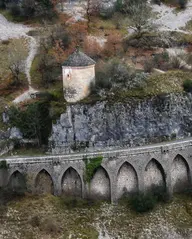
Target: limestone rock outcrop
[[136, 122]]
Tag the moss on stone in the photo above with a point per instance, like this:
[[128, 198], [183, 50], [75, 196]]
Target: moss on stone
[[91, 165]]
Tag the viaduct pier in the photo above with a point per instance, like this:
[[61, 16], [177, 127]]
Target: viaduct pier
[[120, 171]]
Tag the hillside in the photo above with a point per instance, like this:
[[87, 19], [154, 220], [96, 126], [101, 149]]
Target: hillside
[[51, 217], [142, 50], [132, 59]]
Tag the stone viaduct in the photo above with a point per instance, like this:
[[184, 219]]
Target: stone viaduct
[[121, 171]]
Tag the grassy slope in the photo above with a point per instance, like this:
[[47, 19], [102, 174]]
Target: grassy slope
[[51, 217], [13, 45]]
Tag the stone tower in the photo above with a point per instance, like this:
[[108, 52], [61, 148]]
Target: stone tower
[[78, 75]]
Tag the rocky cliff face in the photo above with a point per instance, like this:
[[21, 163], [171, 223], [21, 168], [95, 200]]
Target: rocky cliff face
[[136, 122]]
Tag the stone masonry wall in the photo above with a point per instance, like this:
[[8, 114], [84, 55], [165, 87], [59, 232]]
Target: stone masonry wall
[[121, 171]]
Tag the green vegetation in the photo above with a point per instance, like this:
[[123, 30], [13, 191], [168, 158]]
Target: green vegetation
[[13, 46], [139, 86], [170, 82], [187, 85], [33, 121], [91, 165], [28, 9], [8, 15], [58, 104], [142, 203]]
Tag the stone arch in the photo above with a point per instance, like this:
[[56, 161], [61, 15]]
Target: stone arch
[[44, 183], [154, 175], [180, 174], [99, 187], [127, 180], [71, 183], [17, 182]]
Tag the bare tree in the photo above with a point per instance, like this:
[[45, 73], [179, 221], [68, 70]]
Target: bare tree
[[139, 13], [16, 63], [88, 13], [92, 8]]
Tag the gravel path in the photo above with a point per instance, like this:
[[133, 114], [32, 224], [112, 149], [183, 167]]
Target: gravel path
[[168, 19], [10, 30]]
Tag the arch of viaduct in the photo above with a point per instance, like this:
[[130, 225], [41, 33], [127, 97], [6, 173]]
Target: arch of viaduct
[[121, 171]]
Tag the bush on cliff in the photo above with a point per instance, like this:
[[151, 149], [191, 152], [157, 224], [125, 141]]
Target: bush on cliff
[[115, 74], [187, 85], [33, 120]]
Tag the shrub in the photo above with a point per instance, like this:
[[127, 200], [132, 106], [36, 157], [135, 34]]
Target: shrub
[[161, 61], [143, 202], [102, 82], [119, 5], [34, 121], [138, 81], [31, 8], [2, 4], [14, 9], [187, 85], [112, 73], [183, 3], [160, 194]]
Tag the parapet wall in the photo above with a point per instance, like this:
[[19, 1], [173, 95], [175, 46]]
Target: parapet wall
[[121, 171]]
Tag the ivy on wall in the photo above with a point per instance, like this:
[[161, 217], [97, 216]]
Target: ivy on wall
[[91, 165]]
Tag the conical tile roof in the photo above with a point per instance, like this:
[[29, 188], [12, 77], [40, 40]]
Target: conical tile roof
[[78, 58]]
